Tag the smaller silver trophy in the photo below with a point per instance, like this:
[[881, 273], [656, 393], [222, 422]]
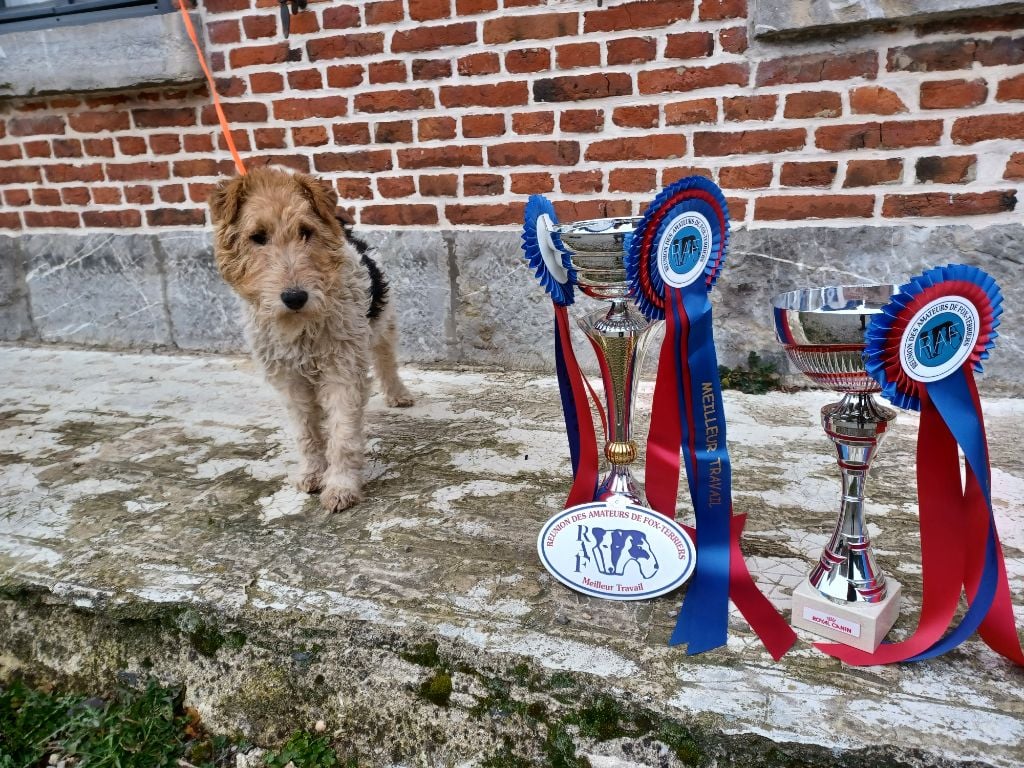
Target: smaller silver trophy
[[846, 598], [620, 336]]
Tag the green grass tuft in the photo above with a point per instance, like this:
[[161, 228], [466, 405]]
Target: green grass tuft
[[757, 378], [437, 689], [304, 750]]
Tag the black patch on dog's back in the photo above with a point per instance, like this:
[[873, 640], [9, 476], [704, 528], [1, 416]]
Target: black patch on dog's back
[[378, 284]]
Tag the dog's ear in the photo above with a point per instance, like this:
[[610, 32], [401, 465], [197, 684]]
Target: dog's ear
[[321, 195], [226, 200]]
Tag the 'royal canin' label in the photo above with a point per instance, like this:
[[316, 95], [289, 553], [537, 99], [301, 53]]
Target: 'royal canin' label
[[828, 621]]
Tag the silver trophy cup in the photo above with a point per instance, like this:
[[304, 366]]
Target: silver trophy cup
[[620, 336], [822, 330]]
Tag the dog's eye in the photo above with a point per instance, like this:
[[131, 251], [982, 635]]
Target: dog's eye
[[260, 237], [305, 233]]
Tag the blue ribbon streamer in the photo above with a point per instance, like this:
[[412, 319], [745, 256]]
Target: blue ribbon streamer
[[572, 425]]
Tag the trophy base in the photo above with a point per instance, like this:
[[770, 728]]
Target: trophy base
[[860, 625]]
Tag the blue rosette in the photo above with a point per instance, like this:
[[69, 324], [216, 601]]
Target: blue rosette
[[544, 251], [690, 195], [885, 354]]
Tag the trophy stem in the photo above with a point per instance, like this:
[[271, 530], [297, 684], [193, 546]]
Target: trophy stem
[[847, 572], [620, 339]]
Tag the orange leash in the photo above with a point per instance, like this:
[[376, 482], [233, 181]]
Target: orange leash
[[225, 128]]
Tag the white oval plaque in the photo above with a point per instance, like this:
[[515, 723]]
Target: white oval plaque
[[617, 552]]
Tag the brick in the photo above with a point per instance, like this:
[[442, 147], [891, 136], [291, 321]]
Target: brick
[[431, 69], [1000, 51], [971, 24], [228, 87], [479, 126], [742, 108], [171, 193], [199, 192], [58, 219], [968, 130], [364, 161], [307, 136], [748, 142], [441, 185], [531, 183], [198, 143], [203, 167], [396, 131], [733, 40], [131, 145], [435, 128], [538, 26], [240, 137], [581, 182], [351, 133], [813, 104], [715, 10], [549, 153], [95, 122], [50, 197], [490, 215], [631, 50], [401, 186], [482, 184], [692, 78], [690, 45], [814, 174], [690, 112], [18, 197], [99, 147], [75, 196], [632, 180], [302, 109], [875, 100], [305, 23], [648, 147], [639, 14], [1015, 166], [582, 87], [345, 46], [470, 7], [508, 94], [479, 64], [531, 123], [799, 207], [581, 120], [946, 170], [341, 17], [932, 57], [344, 75], [257, 27], [124, 218], [10, 152], [36, 126], [179, 117], [38, 149], [266, 82], [1011, 89], [258, 55], [399, 215], [175, 217], [746, 176], [868, 173], [354, 189], [236, 112], [574, 55], [225, 6], [165, 143], [636, 117], [275, 138], [429, 10], [305, 79], [10, 220], [673, 174], [817, 67], [528, 60], [581, 210], [432, 38], [394, 101], [449, 156], [385, 12], [65, 172], [946, 204], [387, 72], [890, 135], [106, 195]]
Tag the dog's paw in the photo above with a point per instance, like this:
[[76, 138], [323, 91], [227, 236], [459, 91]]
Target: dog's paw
[[335, 498], [310, 482], [402, 399]]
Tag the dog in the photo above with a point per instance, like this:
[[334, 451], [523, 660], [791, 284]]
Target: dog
[[316, 312]]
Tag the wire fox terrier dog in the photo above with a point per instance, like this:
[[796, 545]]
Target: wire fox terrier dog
[[317, 311]]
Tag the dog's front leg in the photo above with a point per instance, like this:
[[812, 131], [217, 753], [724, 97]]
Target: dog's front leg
[[306, 418], [343, 397]]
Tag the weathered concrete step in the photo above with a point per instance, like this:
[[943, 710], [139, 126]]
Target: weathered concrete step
[[146, 527]]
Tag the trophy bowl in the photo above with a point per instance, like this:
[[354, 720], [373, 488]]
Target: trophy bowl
[[598, 249], [822, 331]]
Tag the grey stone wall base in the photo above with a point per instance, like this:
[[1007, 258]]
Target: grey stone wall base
[[467, 296]]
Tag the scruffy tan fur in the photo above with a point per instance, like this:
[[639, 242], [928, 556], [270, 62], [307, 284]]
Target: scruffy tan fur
[[277, 231]]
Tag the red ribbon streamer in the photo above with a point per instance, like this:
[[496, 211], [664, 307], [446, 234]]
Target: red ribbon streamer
[[585, 482]]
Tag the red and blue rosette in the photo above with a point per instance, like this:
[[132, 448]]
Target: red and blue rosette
[[550, 261], [673, 259], [923, 349]]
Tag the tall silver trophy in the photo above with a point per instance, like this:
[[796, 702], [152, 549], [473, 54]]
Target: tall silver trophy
[[620, 335], [846, 598]]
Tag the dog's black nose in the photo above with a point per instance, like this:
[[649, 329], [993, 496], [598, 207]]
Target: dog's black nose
[[294, 298]]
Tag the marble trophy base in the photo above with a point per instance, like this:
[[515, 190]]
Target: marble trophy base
[[860, 625]]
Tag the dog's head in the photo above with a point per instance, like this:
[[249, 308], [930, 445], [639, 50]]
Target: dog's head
[[277, 242]]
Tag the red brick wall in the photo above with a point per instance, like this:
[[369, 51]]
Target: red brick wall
[[447, 113]]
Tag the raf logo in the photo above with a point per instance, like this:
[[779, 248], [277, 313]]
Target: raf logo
[[939, 339], [681, 250]]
